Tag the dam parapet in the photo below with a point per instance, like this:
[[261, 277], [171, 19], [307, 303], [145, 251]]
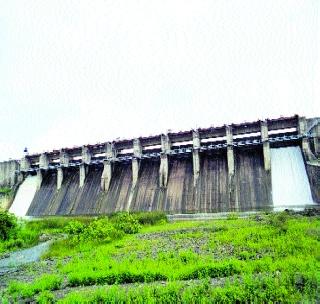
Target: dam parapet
[[216, 169]]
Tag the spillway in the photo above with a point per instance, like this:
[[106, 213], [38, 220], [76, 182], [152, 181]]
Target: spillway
[[24, 196], [290, 185]]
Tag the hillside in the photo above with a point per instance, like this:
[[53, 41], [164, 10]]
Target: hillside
[[142, 258]]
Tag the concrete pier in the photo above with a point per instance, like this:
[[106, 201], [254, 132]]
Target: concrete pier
[[195, 155], [82, 174], [111, 155], [316, 140], [233, 202], [266, 146], [83, 169], [302, 130], [25, 164], [106, 175], [59, 178], [44, 161], [111, 152], [164, 160], [135, 165], [86, 155], [39, 178], [137, 152], [64, 158]]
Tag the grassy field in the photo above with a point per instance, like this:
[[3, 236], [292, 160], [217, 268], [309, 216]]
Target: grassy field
[[144, 259]]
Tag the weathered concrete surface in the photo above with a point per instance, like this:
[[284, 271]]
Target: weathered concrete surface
[[8, 174], [313, 172], [211, 192], [253, 182]]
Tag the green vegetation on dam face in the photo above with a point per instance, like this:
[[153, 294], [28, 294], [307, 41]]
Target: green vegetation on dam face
[[141, 258]]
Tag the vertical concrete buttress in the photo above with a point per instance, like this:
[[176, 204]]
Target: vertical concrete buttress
[[233, 201], [82, 174], [39, 178], [83, 169], [195, 155], [59, 178], [25, 164], [106, 176], [164, 160], [302, 130], [44, 161], [266, 146], [137, 153], [316, 140], [64, 163], [64, 158]]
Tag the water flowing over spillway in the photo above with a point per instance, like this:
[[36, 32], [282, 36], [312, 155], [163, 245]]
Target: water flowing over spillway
[[290, 185], [24, 196]]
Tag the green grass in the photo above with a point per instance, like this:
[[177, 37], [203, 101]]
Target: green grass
[[275, 259]]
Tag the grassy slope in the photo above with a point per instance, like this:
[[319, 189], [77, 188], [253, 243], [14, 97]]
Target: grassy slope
[[266, 260]]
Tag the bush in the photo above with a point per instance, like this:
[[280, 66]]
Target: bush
[[127, 223], [5, 191], [100, 229], [8, 225], [151, 218], [279, 221]]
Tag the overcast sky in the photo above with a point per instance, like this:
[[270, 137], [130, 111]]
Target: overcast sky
[[79, 72]]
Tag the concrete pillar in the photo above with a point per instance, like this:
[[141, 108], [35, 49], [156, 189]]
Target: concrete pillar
[[25, 164], [39, 178], [44, 161], [316, 140], [86, 155], [305, 145], [165, 143], [137, 153], [111, 152], [64, 158], [266, 146], [233, 201], [164, 160], [195, 155], [82, 174], [135, 171], [59, 178], [230, 154], [106, 175], [137, 148]]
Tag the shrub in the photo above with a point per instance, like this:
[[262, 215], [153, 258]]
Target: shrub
[[279, 221], [74, 228], [127, 223], [233, 216], [5, 191], [150, 218], [8, 225]]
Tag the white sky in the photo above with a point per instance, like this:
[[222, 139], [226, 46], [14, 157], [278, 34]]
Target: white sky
[[79, 72]]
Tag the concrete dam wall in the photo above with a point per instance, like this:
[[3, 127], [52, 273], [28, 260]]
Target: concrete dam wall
[[228, 168]]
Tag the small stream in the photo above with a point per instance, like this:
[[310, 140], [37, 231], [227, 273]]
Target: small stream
[[22, 257]]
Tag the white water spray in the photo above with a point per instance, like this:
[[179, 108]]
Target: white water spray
[[24, 196], [290, 184]]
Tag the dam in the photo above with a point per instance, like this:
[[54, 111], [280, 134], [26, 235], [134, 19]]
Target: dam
[[260, 165]]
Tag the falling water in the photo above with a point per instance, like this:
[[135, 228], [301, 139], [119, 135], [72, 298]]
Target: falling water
[[24, 196], [290, 185]]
